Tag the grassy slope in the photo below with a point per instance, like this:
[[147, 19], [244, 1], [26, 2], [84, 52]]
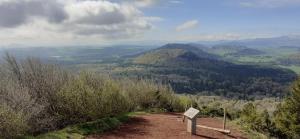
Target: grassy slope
[[79, 131], [236, 125]]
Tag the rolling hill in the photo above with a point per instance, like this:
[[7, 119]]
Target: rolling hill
[[293, 40], [170, 52], [189, 69]]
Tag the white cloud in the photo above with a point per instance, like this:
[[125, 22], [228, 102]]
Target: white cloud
[[106, 18], [14, 13], [187, 25], [145, 3], [268, 3], [40, 20], [175, 2]]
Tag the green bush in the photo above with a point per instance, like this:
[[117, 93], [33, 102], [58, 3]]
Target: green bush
[[287, 116], [30, 87], [211, 111], [250, 117], [145, 94], [12, 124], [89, 97], [253, 120]]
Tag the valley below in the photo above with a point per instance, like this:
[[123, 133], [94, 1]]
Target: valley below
[[66, 85]]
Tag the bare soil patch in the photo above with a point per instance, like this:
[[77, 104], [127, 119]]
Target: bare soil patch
[[167, 126]]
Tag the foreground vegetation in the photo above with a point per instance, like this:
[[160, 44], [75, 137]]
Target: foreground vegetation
[[284, 122], [37, 98], [266, 118], [80, 131]]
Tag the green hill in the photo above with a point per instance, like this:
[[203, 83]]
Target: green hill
[[158, 56], [190, 70], [171, 52]]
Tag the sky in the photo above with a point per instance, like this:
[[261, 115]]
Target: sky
[[96, 22]]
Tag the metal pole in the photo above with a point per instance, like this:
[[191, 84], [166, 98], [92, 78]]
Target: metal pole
[[224, 120]]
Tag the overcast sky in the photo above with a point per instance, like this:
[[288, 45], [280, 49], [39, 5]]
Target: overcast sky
[[92, 22]]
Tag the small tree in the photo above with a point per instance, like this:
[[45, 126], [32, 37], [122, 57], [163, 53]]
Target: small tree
[[287, 116], [258, 121], [266, 124], [250, 117]]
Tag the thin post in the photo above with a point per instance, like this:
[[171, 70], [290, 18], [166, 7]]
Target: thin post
[[185, 108], [224, 119]]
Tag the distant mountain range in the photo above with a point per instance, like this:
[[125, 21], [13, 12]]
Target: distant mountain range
[[261, 42], [75, 54]]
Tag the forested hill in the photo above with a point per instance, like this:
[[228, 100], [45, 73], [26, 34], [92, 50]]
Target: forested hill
[[169, 52], [188, 69]]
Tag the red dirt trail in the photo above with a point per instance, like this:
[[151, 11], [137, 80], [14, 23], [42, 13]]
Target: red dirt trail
[[166, 126]]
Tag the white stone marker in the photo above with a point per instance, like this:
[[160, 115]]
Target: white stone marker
[[191, 115]]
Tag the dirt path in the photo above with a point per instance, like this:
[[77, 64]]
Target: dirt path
[[166, 126]]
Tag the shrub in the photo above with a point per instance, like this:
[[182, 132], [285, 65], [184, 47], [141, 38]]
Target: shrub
[[12, 124], [89, 97], [145, 94], [249, 116], [287, 116], [257, 121], [37, 97]]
